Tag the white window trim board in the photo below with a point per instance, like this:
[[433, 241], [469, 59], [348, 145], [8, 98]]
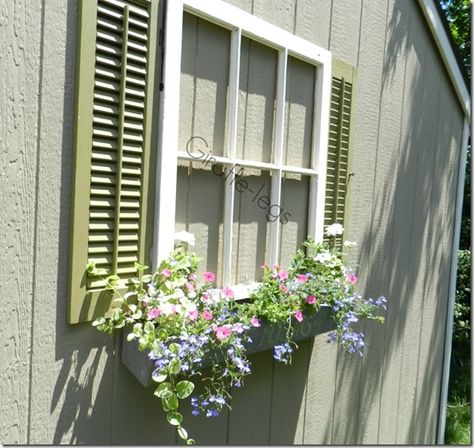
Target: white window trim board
[[241, 24], [165, 186], [230, 150]]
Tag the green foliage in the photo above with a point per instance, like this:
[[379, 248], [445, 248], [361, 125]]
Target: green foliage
[[180, 321], [458, 13], [465, 240], [458, 422], [462, 318], [458, 428]]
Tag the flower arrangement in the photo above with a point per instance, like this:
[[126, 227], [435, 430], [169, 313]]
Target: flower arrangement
[[182, 319]]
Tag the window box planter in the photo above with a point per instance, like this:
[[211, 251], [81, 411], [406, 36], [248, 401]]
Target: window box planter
[[264, 338]]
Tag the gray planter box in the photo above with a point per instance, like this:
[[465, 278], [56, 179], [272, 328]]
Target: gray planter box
[[264, 338]]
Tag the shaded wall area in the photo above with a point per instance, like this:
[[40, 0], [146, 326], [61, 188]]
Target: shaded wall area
[[65, 384]]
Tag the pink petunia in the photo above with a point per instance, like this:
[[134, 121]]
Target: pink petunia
[[228, 292], [207, 315], [283, 275], [153, 313], [166, 273], [192, 277], [193, 315], [352, 278], [255, 322], [302, 278], [310, 300], [189, 286], [209, 276], [298, 316], [283, 288], [223, 332]]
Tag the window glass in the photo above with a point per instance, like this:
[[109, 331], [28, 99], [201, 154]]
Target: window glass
[[299, 106], [252, 208], [258, 71], [294, 229], [199, 210], [204, 83]]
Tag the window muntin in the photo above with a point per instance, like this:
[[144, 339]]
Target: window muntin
[[281, 152]]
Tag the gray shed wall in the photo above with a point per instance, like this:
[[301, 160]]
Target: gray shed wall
[[65, 384]]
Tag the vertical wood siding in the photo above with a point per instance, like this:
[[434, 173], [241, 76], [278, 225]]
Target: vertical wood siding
[[65, 384]]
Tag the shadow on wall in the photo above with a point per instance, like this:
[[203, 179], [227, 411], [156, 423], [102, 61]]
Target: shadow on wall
[[407, 249], [82, 396], [98, 402]]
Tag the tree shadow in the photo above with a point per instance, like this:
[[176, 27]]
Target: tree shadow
[[409, 258]]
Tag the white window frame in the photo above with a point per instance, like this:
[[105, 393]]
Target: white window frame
[[240, 23]]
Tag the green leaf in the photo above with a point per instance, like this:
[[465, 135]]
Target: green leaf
[[117, 301], [170, 403], [184, 389], [149, 328], [146, 278], [174, 348], [91, 268], [159, 377], [174, 418], [112, 282], [129, 294], [182, 433], [132, 307], [174, 366], [142, 344], [164, 390], [191, 442], [131, 336], [98, 321], [162, 333], [140, 267]]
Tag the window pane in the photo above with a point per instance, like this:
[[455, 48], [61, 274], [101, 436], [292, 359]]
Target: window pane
[[294, 202], [299, 107], [252, 214], [199, 210], [204, 82], [258, 71]]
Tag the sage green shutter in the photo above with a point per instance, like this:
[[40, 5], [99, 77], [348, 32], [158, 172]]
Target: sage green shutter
[[338, 167], [114, 90]]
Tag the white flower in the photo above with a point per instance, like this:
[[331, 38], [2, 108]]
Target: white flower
[[350, 244], [334, 230], [185, 237], [168, 308], [323, 257]]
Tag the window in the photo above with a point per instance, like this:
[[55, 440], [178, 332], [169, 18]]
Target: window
[[243, 99], [243, 157]]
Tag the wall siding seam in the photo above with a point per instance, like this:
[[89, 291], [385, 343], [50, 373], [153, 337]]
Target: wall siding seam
[[36, 219], [360, 31], [391, 247], [370, 251], [402, 111], [402, 132]]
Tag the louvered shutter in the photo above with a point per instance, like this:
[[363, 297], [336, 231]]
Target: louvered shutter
[[338, 168], [114, 90]]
